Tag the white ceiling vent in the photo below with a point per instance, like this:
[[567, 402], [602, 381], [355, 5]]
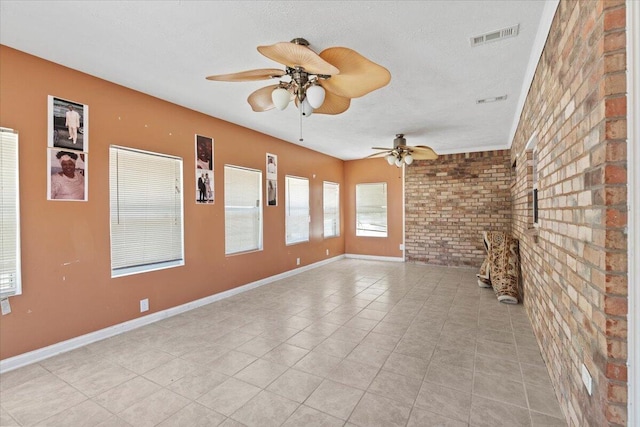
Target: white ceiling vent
[[493, 99], [495, 35]]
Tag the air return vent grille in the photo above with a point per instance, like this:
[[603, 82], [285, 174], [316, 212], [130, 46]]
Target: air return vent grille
[[495, 35], [493, 99]]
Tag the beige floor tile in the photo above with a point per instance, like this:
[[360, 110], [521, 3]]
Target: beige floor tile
[[40, 398], [102, 380], [21, 376], [206, 355], [286, 354], [87, 413], [458, 378], [322, 327], [265, 410], [309, 417], [171, 371], [489, 413], [410, 366], [197, 383], [349, 334], [416, 347], [394, 386], [335, 399], [422, 418], [306, 340], [193, 415], [543, 399], [499, 388], [498, 367], [319, 364], [144, 361], [453, 358], [295, 385], [381, 341], [126, 394], [353, 374], [378, 411], [540, 420], [154, 409], [258, 346], [6, 419], [261, 373], [334, 347], [232, 362], [228, 396], [369, 355], [444, 401], [361, 323]]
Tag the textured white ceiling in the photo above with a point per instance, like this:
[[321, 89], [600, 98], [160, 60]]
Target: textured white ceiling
[[167, 48]]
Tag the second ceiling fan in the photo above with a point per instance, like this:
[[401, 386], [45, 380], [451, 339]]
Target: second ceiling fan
[[321, 83]]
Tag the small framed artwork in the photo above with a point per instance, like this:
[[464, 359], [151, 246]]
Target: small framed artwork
[[272, 180], [68, 124], [204, 169], [67, 175]]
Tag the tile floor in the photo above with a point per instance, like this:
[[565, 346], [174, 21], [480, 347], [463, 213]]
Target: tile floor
[[352, 343]]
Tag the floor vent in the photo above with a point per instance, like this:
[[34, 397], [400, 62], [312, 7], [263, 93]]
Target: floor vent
[[495, 35]]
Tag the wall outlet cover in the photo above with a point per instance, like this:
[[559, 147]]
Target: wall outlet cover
[[144, 305]]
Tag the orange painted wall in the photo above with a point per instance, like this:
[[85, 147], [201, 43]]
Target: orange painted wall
[[67, 285], [369, 171]]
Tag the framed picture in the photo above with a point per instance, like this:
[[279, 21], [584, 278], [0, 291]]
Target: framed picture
[[68, 124], [272, 180], [67, 175], [204, 169]]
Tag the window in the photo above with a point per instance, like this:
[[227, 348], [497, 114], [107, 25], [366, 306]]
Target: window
[[296, 209], [331, 208], [371, 209], [146, 211], [10, 283], [242, 210], [531, 152]]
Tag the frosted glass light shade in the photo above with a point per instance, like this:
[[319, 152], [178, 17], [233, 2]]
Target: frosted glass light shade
[[408, 159], [307, 109], [315, 95], [391, 159], [398, 162], [280, 97]]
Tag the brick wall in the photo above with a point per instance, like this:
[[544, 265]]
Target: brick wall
[[574, 264], [450, 201]]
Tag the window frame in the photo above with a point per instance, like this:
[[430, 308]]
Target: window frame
[[288, 218], [336, 226], [360, 232], [178, 197], [14, 206], [258, 207]]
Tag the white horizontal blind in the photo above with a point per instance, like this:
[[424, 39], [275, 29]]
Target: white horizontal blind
[[242, 209], [371, 209], [296, 209], [146, 211], [331, 208], [10, 283]]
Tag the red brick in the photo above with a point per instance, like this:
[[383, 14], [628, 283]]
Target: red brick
[[616, 218], [614, 19], [616, 371], [616, 151], [616, 328], [615, 306], [615, 41], [615, 107]]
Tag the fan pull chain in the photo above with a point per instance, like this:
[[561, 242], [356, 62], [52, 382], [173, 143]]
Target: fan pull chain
[[300, 109]]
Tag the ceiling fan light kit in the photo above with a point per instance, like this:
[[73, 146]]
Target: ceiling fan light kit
[[321, 83], [401, 154]]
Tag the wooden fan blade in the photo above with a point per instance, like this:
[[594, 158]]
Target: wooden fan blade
[[380, 148], [260, 100], [248, 76], [358, 75], [384, 153], [294, 55], [422, 152], [333, 104]]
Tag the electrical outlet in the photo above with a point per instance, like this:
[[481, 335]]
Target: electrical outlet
[[297, 261], [327, 251], [402, 246], [586, 379], [5, 306], [144, 305]]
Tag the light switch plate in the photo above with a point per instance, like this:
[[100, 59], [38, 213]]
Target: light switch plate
[[5, 306], [586, 379]]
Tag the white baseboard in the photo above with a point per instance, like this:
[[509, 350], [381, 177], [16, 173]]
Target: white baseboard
[[375, 258], [34, 356]]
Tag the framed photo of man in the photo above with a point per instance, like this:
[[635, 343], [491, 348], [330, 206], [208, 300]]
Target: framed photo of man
[[67, 175], [272, 166], [204, 169], [68, 124]]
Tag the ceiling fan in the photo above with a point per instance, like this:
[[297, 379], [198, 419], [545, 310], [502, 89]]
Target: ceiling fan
[[401, 153], [321, 83]]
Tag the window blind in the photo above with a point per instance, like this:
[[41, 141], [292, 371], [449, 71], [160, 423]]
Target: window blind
[[146, 211], [331, 208], [242, 209], [10, 283], [371, 209], [296, 209]]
